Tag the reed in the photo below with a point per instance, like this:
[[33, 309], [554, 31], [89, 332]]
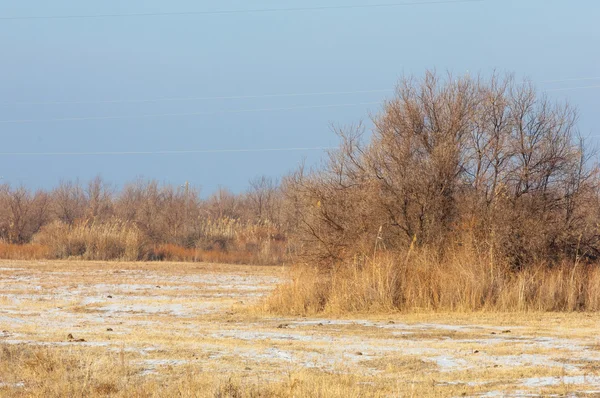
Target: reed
[[463, 281]]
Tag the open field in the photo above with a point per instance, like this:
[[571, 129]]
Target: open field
[[179, 329]]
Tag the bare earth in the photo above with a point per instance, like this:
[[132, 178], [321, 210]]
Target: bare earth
[[166, 317]]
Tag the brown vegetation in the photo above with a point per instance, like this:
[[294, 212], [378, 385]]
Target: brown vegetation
[[426, 282], [470, 194], [143, 221], [11, 251]]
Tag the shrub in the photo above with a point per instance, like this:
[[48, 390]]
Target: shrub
[[456, 161]]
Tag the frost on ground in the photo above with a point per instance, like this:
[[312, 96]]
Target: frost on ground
[[164, 317]]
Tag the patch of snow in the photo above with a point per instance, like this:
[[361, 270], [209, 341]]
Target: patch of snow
[[12, 320], [447, 363], [174, 309], [12, 385], [556, 381]]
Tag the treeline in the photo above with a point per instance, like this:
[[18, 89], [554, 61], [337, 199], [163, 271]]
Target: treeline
[[144, 221]]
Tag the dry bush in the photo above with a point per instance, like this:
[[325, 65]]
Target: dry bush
[[170, 252], [22, 213], [454, 160], [424, 281], [229, 241], [111, 240]]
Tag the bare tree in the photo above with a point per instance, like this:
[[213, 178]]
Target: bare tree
[[98, 197], [69, 201], [22, 214], [224, 204], [263, 196], [453, 159]]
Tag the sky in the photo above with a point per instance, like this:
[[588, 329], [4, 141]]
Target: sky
[[73, 89]]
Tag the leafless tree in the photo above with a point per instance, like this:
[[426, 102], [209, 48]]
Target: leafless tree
[[69, 202], [22, 213], [223, 203], [99, 197], [451, 159], [263, 197]]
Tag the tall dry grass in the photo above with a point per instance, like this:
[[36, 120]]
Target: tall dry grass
[[13, 251], [239, 241], [228, 240], [110, 240], [421, 281], [222, 240]]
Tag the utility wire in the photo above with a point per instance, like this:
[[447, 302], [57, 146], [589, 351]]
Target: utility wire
[[258, 96], [241, 150], [176, 99], [575, 79], [572, 88], [117, 153], [71, 119], [233, 111], [242, 11]]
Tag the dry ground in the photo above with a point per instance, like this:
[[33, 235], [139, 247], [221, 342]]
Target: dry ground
[[162, 329]]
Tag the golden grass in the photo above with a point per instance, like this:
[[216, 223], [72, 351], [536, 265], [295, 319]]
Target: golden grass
[[109, 240], [226, 241], [77, 372], [420, 282], [55, 372], [11, 251]]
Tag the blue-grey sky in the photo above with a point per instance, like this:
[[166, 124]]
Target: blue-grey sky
[[90, 60]]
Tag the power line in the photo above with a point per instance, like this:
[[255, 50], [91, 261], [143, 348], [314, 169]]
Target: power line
[[258, 96], [572, 88], [240, 150], [71, 119], [199, 151], [575, 79], [176, 99], [233, 111], [242, 11]]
